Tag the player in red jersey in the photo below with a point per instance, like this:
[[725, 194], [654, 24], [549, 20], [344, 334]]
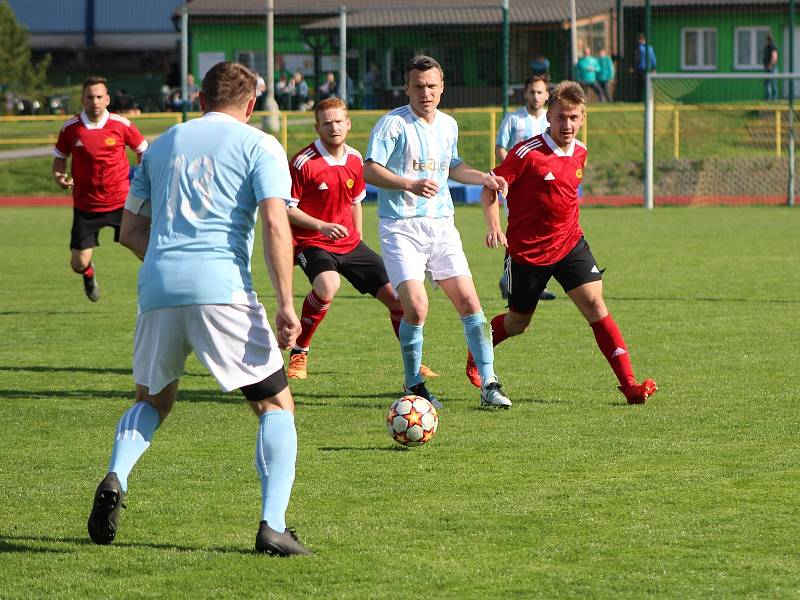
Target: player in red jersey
[[544, 237], [96, 139], [328, 181]]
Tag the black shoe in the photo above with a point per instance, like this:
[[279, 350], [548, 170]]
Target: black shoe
[[503, 285], [91, 287], [547, 295], [269, 541], [421, 391], [108, 503]]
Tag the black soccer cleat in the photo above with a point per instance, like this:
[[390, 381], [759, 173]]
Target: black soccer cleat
[[421, 391], [269, 541], [108, 504], [91, 287], [547, 295]]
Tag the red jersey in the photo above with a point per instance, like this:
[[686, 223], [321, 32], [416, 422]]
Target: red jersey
[[326, 189], [542, 199], [99, 163]]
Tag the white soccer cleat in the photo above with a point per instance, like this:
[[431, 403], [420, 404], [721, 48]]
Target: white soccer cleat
[[492, 395]]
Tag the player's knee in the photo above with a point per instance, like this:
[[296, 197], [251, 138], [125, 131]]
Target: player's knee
[[269, 393]]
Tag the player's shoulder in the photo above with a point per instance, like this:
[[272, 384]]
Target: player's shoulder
[[580, 148], [394, 122], [536, 144], [115, 118], [446, 120], [74, 120], [353, 153], [264, 140], [306, 154]]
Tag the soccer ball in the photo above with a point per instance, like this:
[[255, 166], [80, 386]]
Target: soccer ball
[[412, 420]]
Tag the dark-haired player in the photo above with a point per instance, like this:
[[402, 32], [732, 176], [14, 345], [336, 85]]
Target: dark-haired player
[[544, 237], [96, 140]]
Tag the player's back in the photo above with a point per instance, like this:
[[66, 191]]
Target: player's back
[[204, 179]]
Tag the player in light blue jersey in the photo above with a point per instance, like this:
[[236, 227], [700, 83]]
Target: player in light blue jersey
[[190, 215], [411, 152], [523, 124]]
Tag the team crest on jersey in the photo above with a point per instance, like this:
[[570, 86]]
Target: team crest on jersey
[[350, 183], [110, 141], [579, 173]]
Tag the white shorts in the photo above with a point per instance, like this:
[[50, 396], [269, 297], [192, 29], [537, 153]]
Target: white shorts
[[233, 341], [412, 247]]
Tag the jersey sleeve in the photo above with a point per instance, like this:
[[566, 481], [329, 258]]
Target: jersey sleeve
[[383, 141], [511, 168], [504, 133], [455, 159], [298, 180], [140, 186], [359, 191], [135, 140], [270, 178], [62, 148]]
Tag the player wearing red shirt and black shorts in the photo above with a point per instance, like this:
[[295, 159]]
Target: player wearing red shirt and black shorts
[[328, 182], [96, 139], [544, 237]]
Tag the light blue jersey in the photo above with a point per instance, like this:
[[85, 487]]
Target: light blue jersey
[[410, 147], [204, 180], [519, 126]]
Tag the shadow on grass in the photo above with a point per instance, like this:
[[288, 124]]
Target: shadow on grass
[[17, 543], [754, 300], [38, 369], [395, 448]]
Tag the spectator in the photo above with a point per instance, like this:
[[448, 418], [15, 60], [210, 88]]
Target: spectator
[[193, 93], [283, 92], [300, 95], [540, 66], [329, 88], [261, 88], [770, 66], [586, 72], [372, 83], [606, 73], [645, 62]]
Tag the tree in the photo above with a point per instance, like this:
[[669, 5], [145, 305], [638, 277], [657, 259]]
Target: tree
[[17, 71]]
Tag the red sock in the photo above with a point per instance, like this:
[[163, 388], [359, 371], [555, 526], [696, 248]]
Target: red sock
[[396, 316], [88, 271], [612, 345], [499, 329], [314, 310]]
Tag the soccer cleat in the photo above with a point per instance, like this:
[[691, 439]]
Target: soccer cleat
[[427, 372], [91, 287], [269, 541], [638, 393], [547, 295], [421, 391], [108, 504], [503, 284], [492, 395], [298, 365], [472, 371]]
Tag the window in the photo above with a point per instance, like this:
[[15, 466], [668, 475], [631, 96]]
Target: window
[[749, 43], [699, 49], [255, 61]]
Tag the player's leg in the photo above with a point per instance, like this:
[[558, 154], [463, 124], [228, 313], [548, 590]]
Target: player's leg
[[160, 351], [321, 268], [582, 280], [83, 238]]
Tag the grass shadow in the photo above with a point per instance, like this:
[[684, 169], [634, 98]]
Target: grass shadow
[[21, 543]]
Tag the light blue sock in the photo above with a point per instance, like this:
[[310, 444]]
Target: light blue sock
[[479, 341], [276, 453], [134, 433], [411, 348]]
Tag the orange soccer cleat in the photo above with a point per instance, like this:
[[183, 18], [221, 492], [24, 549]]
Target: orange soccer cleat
[[638, 393], [427, 372], [298, 366], [472, 371]]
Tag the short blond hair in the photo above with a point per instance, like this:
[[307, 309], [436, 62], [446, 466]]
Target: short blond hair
[[329, 103], [568, 93]]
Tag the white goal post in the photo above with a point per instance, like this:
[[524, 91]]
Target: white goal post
[[649, 126]]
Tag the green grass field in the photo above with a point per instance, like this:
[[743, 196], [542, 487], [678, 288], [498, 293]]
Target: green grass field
[[571, 494]]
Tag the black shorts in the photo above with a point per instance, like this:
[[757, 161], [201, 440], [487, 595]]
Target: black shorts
[[526, 282], [362, 267], [87, 225]]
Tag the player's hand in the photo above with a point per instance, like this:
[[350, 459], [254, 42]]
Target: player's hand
[[496, 183], [63, 179], [287, 327], [495, 239], [427, 188], [334, 231]]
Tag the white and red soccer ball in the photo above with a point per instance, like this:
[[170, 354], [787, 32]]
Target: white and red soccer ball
[[412, 420]]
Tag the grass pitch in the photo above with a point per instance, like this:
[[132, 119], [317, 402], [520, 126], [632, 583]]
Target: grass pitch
[[571, 494]]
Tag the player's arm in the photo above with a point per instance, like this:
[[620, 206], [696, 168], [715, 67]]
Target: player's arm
[[500, 153], [463, 173], [495, 236], [60, 175], [134, 231], [358, 218], [333, 231], [381, 177], [278, 256]]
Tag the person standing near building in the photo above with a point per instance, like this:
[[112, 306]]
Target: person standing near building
[[586, 72], [190, 216], [544, 237], [644, 63], [770, 60], [328, 182], [524, 123], [411, 152], [96, 139], [605, 76]]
